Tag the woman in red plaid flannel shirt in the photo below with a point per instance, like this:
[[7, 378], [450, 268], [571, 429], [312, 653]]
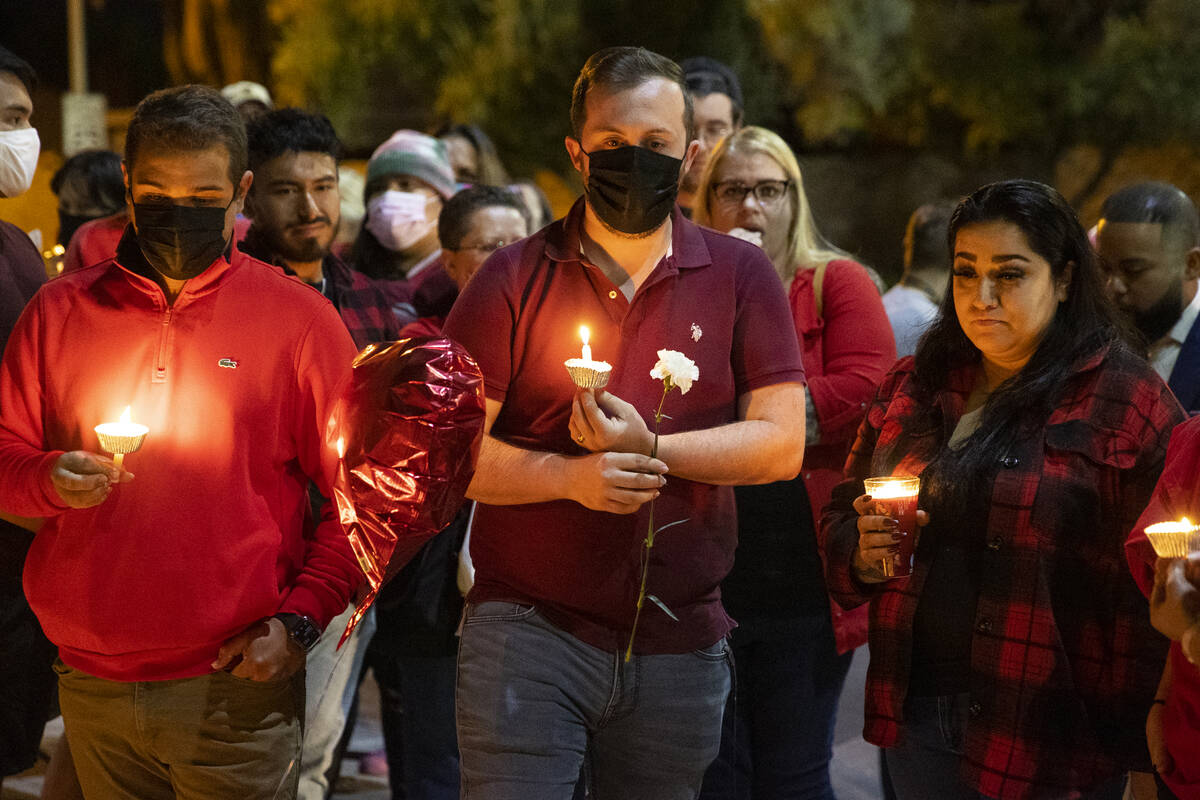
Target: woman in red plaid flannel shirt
[[1018, 660]]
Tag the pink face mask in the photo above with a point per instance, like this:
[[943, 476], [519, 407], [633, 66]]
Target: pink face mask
[[399, 219]]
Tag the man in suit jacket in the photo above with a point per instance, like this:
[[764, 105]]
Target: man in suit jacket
[[1148, 239]]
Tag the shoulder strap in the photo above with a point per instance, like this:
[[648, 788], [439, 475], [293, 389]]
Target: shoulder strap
[[818, 284]]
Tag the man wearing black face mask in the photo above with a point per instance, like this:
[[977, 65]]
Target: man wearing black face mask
[[183, 602], [564, 475]]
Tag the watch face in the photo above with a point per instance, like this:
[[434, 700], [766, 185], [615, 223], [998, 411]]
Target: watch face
[[302, 631]]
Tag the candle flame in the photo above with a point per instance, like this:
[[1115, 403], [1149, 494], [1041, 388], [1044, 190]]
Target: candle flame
[[584, 333], [125, 416]]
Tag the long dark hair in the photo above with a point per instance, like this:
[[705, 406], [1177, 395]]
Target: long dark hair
[[1083, 325]]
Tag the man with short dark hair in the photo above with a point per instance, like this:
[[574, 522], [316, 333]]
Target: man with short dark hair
[[295, 205], [475, 223], [183, 601], [912, 304], [1148, 239], [565, 475], [717, 110], [26, 679]]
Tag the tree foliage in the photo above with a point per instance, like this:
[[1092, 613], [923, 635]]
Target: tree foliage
[[507, 65], [976, 75]]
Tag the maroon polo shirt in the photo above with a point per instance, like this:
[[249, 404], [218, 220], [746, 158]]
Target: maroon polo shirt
[[715, 299]]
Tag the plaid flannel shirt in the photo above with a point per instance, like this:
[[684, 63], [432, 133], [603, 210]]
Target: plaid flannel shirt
[[1064, 661], [360, 301]]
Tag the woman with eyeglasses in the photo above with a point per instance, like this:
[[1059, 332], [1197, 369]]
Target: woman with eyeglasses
[[792, 645]]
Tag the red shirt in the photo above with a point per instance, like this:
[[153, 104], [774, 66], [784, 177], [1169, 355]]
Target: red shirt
[[1176, 495], [234, 380], [847, 351], [715, 299], [1064, 661]]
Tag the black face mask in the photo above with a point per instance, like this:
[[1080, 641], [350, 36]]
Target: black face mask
[[68, 224], [632, 189], [180, 241]]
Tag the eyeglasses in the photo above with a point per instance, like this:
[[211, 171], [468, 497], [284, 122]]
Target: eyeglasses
[[767, 193], [486, 247]]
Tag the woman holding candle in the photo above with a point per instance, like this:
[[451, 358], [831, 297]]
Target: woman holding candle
[[1018, 659], [792, 646]]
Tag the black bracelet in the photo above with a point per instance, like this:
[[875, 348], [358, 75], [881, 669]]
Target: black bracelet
[[1158, 701]]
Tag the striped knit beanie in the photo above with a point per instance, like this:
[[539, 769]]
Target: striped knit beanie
[[411, 153]]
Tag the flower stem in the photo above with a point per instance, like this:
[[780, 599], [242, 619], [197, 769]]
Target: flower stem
[[649, 541]]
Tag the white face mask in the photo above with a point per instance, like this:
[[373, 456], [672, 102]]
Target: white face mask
[[18, 160], [399, 219]]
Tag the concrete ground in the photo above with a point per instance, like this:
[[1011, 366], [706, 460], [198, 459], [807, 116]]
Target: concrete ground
[[855, 769]]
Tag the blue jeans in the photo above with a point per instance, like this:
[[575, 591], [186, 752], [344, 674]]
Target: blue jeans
[[927, 761], [778, 740], [534, 702]]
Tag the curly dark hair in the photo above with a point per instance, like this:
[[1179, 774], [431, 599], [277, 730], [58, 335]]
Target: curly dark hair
[[290, 130]]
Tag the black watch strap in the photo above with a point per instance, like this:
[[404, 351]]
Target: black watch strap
[[300, 629]]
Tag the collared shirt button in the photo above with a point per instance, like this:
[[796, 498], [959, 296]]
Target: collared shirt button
[[975, 709], [612, 295], [996, 543], [985, 625], [1010, 461]]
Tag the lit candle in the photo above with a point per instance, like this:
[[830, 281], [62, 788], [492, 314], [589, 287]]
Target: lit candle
[[584, 333], [1174, 539], [586, 373], [121, 437], [897, 497]]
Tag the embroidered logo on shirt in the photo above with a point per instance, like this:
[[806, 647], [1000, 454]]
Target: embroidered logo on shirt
[[228, 363], [696, 332]]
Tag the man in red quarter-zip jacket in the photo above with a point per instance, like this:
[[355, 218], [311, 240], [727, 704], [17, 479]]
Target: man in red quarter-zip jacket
[[183, 600]]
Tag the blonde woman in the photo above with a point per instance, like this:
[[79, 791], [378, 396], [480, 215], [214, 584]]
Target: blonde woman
[[793, 645]]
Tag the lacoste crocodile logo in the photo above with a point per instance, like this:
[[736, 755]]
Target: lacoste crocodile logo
[[227, 363]]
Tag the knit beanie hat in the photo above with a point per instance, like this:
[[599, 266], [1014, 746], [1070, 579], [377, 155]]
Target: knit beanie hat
[[415, 154]]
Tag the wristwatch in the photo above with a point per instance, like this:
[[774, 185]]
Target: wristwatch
[[300, 629]]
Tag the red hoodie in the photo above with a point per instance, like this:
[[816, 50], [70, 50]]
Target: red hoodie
[[234, 381]]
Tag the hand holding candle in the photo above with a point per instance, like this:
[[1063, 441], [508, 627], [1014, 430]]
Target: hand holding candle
[[897, 497], [586, 373], [121, 437]]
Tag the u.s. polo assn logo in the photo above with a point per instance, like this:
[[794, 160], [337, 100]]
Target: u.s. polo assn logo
[[227, 363]]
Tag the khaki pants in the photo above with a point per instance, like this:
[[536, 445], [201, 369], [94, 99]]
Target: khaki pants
[[215, 736]]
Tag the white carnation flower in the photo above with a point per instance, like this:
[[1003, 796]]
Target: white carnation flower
[[677, 369]]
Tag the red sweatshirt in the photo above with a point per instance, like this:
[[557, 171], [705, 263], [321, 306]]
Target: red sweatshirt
[[1176, 495], [234, 381]]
